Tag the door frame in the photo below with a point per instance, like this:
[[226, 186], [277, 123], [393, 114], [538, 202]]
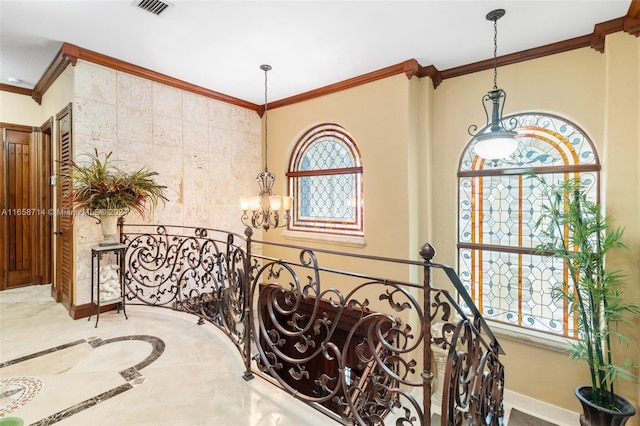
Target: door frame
[[45, 200]]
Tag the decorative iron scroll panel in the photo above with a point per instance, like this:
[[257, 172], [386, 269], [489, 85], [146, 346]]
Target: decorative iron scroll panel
[[350, 344], [195, 270]]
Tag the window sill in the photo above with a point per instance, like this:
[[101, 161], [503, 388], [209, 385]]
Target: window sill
[[339, 240], [530, 337]]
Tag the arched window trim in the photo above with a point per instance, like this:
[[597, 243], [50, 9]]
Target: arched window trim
[[348, 233], [550, 145]]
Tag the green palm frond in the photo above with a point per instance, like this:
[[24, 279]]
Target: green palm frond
[[97, 185], [574, 229]]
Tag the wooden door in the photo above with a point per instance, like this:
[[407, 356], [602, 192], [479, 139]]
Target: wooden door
[[63, 218], [25, 197], [18, 210]]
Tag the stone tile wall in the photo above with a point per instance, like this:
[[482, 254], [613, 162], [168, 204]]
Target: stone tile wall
[[206, 152]]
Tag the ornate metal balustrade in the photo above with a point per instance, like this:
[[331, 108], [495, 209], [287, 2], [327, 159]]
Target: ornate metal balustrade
[[356, 346]]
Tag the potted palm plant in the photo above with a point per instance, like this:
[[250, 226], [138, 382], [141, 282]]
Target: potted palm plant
[[574, 229], [104, 191]]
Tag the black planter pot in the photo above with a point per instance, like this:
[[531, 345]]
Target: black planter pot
[[594, 415]]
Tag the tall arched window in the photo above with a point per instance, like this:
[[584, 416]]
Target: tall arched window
[[325, 179], [498, 208]]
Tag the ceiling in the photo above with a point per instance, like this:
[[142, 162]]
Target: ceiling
[[220, 45]]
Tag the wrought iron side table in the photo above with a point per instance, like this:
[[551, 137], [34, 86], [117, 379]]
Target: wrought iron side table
[[97, 252]]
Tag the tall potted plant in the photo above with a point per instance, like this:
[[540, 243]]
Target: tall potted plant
[[574, 229], [108, 193]]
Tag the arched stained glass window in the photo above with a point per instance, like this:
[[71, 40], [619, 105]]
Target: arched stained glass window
[[499, 206], [325, 179]]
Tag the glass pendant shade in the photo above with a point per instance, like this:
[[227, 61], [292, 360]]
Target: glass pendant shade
[[496, 145]]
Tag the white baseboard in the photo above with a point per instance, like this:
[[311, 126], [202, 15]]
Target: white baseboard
[[543, 410]]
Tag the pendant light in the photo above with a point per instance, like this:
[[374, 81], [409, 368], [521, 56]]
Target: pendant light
[[263, 209], [496, 142]]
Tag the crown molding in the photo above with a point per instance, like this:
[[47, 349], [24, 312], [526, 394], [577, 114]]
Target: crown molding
[[632, 20], [15, 89], [634, 9], [66, 55], [601, 30], [524, 55], [69, 54], [431, 72], [100, 59], [409, 67]]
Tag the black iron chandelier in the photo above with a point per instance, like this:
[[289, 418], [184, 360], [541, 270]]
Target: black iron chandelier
[[498, 142], [263, 209]]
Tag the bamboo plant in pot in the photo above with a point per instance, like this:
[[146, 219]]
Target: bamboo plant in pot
[[106, 192], [574, 229]]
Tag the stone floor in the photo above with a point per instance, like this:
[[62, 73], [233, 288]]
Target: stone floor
[[156, 368]]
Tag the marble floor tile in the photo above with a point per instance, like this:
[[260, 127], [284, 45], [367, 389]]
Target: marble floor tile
[[156, 368], [57, 370]]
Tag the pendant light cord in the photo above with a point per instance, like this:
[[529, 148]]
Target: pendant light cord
[[495, 54], [266, 133]]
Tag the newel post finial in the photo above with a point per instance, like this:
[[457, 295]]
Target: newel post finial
[[427, 252]]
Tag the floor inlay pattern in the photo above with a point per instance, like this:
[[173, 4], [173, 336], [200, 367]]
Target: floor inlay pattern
[[16, 392]]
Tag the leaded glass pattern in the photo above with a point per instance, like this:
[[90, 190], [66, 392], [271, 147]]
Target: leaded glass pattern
[[325, 179], [499, 206]]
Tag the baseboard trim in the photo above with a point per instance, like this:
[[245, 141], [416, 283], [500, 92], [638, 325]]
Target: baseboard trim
[[83, 311], [543, 410]]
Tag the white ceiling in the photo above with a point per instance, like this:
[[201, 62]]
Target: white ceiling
[[220, 45]]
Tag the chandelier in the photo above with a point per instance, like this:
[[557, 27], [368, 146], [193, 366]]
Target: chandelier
[[263, 209], [497, 142]]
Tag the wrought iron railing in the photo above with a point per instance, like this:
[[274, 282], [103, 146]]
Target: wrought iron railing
[[364, 349]]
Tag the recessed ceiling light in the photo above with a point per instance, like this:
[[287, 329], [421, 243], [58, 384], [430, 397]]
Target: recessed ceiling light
[[14, 80]]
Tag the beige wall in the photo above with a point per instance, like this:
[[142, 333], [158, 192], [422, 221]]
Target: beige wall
[[19, 109], [59, 95], [22, 109], [378, 116], [412, 136], [621, 156]]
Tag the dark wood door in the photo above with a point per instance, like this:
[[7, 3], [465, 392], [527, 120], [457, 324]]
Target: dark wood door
[[63, 218], [18, 212], [25, 197]]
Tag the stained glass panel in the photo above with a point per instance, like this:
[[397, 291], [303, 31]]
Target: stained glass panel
[[325, 178], [499, 206], [327, 197], [327, 153]]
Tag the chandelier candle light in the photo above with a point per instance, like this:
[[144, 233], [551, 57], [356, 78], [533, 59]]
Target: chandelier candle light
[[263, 209], [497, 142]]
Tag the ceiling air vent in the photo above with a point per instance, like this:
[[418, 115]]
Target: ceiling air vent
[[153, 6]]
